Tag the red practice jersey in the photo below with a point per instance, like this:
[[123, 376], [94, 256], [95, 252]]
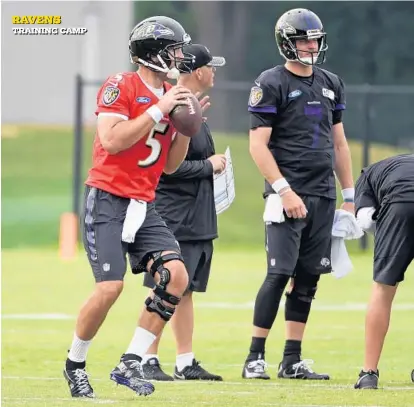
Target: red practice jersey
[[135, 172]]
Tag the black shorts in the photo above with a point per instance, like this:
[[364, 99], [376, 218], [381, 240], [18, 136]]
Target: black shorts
[[102, 224], [197, 259], [394, 242], [302, 245]]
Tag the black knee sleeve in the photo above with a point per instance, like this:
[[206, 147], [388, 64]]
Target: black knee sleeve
[[161, 294], [299, 299], [268, 299]]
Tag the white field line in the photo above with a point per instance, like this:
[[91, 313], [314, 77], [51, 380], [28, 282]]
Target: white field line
[[219, 305], [253, 383], [22, 400]]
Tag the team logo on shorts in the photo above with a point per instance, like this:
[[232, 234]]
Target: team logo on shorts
[[325, 262], [256, 95], [111, 94]]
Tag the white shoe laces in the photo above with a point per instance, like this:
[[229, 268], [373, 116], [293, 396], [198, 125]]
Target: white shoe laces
[[259, 365], [82, 382], [305, 364]]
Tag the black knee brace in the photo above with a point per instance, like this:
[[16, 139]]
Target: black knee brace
[[268, 299], [160, 290], [299, 299]]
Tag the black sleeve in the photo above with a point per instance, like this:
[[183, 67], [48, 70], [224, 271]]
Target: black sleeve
[[336, 117], [190, 169], [261, 120], [262, 104], [364, 194]]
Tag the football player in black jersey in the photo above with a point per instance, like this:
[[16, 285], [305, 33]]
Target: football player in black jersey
[[384, 203], [298, 143]]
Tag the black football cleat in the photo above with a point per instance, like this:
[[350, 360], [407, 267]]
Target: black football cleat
[[255, 369], [153, 371], [195, 372], [367, 380], [78, 383], [300, 370], [129, 373]]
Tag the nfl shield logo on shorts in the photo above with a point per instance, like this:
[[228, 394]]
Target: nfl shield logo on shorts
[[111, 94]]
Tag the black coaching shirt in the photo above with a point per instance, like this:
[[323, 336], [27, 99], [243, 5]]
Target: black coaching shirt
[[386, 181], [300, 112], [185, 199]]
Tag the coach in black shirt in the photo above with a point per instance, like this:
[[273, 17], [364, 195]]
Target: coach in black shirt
[[185, 200]]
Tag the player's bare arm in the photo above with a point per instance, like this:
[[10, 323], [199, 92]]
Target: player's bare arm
[[267, 165], [343, 166], [259, 139], [177, 153], [117, 134]]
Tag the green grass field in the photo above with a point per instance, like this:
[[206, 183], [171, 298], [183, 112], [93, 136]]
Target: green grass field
[[42, 295], [37, 284]]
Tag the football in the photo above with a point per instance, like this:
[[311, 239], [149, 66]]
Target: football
[[187, 119]]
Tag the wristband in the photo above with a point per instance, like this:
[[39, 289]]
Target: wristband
[[155, 112], [284, 191], [348, 194], [280, 184]]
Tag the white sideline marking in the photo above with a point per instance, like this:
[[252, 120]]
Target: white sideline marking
[[315, 306], [222, 305], [255, 383], [218, 366], [58, 317], [20, 399]]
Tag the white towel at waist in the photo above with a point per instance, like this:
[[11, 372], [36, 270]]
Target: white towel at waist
[[273, 209], [135, 216]]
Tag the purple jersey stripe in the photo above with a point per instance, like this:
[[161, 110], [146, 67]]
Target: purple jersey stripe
[[263, 109], [340, 106]]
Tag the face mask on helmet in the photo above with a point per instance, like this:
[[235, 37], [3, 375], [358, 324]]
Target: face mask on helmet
[[290, 51], [175, 58], [304, 56]]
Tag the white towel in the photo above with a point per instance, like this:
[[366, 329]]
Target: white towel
[[273, 209], [345, 227], [135, 216]]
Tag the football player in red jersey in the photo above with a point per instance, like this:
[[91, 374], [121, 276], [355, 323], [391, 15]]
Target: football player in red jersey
[[134, 143]]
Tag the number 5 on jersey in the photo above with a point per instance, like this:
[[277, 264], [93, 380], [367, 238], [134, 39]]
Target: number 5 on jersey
[[154, 144]]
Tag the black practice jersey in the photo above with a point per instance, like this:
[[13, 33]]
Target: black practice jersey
[[386, 181], [300, 112]]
